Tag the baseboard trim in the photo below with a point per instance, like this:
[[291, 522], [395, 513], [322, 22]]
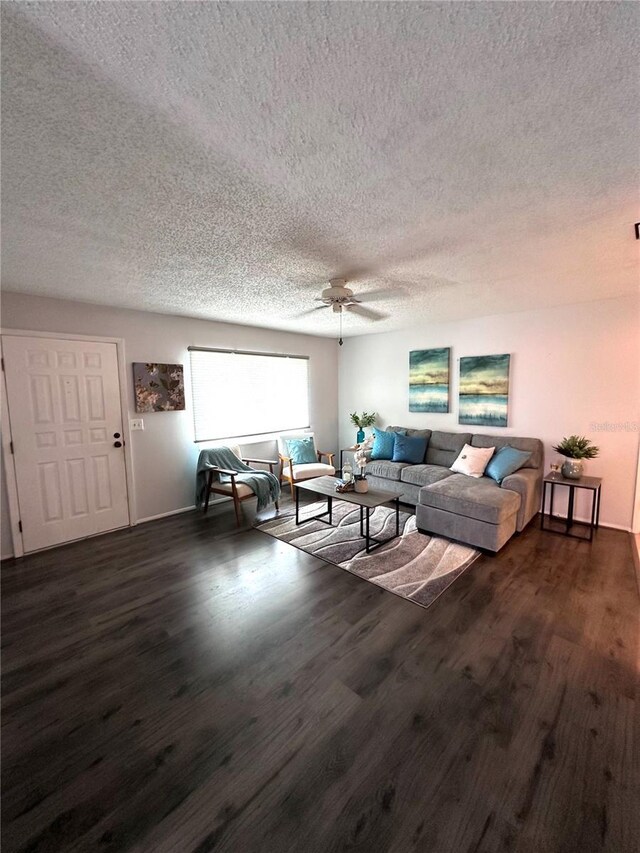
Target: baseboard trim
[[635, 547], [182, 509], [165, 514], [625, 529]]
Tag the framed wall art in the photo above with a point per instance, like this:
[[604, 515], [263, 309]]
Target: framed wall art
[[158, 387], [484, 390], [429, 380]]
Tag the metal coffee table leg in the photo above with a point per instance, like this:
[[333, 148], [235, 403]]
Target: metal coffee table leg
[[371, 543]]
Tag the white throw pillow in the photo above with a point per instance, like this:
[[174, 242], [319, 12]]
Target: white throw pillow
[[472, 460]]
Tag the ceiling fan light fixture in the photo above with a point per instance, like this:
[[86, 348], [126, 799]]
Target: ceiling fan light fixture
[[340, 298]]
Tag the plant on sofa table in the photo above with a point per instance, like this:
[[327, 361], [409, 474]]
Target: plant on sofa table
[[362, 420], [575, 449]]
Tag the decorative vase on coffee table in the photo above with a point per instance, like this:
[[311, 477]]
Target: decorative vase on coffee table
[[361, 485], [360, 436], [572, 469]]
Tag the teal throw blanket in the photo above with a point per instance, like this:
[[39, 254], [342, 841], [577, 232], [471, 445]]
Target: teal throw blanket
[[264, 484]]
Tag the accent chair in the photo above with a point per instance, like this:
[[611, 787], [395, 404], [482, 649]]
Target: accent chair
[[238, 492], [294, 472]]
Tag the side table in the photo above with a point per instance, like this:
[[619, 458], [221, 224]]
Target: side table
[[591, 484]]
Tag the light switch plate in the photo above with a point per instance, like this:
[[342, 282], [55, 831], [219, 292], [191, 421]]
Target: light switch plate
[[136, 423]]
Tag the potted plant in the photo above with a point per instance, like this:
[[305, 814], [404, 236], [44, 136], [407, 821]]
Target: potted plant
[[362, 420], [575, 449]]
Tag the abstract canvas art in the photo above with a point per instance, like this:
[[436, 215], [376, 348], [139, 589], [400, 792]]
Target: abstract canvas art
[[429, 380], [484, 390], [158, 387]]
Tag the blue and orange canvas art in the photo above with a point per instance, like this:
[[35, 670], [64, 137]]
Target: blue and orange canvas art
[[429, 380], [484, 390]]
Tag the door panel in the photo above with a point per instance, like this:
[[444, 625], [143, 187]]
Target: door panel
[[64, 406]]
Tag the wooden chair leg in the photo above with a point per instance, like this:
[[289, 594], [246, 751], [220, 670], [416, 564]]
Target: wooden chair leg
[[236, 500], [206, 500]]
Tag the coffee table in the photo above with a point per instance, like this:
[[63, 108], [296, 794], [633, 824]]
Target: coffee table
[[326, 486]]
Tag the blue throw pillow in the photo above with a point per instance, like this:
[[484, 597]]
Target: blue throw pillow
[[409, 448], [383, 443], [302, 451], [506, 461]]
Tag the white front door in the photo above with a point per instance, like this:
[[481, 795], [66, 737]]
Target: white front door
[[64, 406]]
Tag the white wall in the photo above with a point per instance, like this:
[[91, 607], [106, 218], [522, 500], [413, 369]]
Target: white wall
[[164, 455], [571, 367]]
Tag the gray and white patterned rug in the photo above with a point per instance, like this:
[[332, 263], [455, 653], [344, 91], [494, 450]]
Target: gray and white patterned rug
[[414, 566]]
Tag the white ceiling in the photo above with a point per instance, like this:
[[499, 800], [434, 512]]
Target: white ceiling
[[226, 160]]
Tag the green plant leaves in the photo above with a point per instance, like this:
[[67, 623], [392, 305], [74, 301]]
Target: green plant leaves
[[362, 420], [577, 447]]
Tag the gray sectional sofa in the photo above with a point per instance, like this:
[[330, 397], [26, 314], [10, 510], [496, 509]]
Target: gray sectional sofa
[[479, 512]]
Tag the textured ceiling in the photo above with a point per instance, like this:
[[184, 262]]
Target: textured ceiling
[[226, 160]]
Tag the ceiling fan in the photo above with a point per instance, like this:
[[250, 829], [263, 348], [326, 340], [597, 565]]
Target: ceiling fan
[[340, 298]]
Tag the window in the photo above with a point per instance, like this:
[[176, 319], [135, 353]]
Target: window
[[247, 393]]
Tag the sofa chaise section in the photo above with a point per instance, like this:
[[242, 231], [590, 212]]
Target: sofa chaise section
[[477, 511]]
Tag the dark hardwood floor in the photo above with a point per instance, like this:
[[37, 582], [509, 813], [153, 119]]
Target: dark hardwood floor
[[183, 687]]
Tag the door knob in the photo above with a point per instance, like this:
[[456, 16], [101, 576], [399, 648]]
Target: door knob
[[117, 444], [116, 435]]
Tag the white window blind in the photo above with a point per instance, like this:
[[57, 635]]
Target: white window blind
[[243, 393]]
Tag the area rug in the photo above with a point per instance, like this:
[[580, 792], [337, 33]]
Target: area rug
[[414, 566]]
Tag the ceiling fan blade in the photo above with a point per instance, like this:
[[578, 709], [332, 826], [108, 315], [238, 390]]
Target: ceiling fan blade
[[366, 312], [311, 310], [382, 295]]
